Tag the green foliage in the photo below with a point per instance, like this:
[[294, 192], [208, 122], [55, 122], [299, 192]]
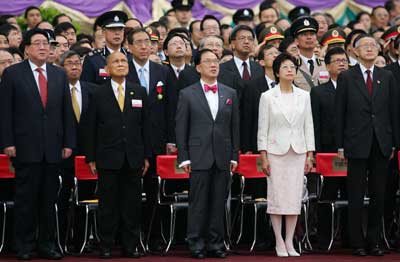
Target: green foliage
[[47, 15]]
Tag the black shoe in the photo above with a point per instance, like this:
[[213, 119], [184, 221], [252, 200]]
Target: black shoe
[[360, 252], [105, 253], [198, 254], [376, 251], [24, 256], [217, 254], [131, 253], [50, 254]]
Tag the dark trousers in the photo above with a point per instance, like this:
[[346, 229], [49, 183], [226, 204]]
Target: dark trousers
[[331, 187], [207, 194], [377, 165], [35, 196], [120, 198]]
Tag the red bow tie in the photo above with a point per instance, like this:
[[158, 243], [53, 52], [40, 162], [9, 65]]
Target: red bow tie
[[213, 88]]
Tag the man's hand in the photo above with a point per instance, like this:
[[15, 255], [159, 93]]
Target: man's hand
[[66, 153], [145, 166], [187, 168], [265, 166], [92, 166], [10, 151], [171, 149], [308, 166], [233, 167]]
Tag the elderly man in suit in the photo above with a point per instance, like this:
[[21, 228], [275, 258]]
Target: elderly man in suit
[[118, 149], [37, 132], [207, 132], [367, 135]]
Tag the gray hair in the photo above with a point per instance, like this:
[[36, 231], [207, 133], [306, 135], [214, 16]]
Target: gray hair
[[66, 55], [204, 39]]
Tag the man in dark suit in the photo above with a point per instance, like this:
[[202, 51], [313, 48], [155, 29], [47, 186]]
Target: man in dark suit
[[80, 95], [37, 131], [153, 78], [118, 148], [366, 134], [207, 132], [392, 184], [242, 41], [323, 109], [113, 24]]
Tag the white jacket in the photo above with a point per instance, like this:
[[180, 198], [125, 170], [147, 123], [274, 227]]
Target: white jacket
[[276, 132]]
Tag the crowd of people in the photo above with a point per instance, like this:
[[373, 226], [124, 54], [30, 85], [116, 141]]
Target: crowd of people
[[284, 88]]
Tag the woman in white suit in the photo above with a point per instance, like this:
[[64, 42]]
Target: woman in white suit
[[286, 144]]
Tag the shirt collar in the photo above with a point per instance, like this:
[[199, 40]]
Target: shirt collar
[[269, 80], [77, 86], [115, 85], [305, 59], [239, 62], [34, 67], [146, 66], [176, 68], [363, 69]]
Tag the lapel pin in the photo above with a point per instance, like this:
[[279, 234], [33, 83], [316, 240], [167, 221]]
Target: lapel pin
[[378, 82], [132, 93]]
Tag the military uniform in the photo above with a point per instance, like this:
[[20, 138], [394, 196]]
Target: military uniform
[[93, 67], [304, 78], [334, 37], [93, 70]]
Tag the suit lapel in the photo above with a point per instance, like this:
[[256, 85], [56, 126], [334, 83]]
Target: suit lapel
[[85, 98], [31, 86], [153, 77], [113, 100], [376, 82], [221, 99], [234, 68], [203, 100], [133, 73], [277, 95], [51, 88]]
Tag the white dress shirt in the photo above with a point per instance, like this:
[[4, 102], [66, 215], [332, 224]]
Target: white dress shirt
[[115, 85], [177, 68], [364, 73], [353, 61], [78, 94], [146, 68], [36, 73], [305, 61], [212, 99], [334, 83], [239, 65]]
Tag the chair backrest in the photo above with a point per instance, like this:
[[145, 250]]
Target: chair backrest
[[6, 168], [167, 168], [329, 165], [82, 170], [250, 166]]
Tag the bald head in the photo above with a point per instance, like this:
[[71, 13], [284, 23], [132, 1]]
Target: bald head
[[117, 65]]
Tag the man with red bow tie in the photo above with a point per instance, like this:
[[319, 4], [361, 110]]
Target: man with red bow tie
[[207, 136]]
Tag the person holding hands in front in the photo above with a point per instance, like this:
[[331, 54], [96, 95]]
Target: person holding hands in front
[[286, 144]]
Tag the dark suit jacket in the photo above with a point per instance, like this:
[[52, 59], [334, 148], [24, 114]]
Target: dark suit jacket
[[249, 113], [201, 139], [113, 136], [157, 108], [359, 116], [87, 90], [323, 110], [37, 133], [395, 69]]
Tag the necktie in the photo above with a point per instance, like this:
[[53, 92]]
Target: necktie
[[311, 62], [212, 88], [75, 104], [246, 74], [177, 73], [142, 79], [42, 86], [273, 84], [121, 98], [369, 82]]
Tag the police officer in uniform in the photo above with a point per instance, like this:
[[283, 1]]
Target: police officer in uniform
[[113, 24], [183, 11], [312, 71]]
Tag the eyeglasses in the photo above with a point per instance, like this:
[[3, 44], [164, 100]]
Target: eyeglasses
[[215, 28], [244, 38], [6, 61], [287, 67], [340, 61], [145, 42], [210, 61], [68, 33], [66, 45], [175, 44], [38, 44], [71, 64], [210, 45], [369, 45]]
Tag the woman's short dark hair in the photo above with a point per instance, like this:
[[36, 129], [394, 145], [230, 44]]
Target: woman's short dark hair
[[278, 62]]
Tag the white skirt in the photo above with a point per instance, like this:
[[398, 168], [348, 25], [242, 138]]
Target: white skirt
[[285, 183]]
